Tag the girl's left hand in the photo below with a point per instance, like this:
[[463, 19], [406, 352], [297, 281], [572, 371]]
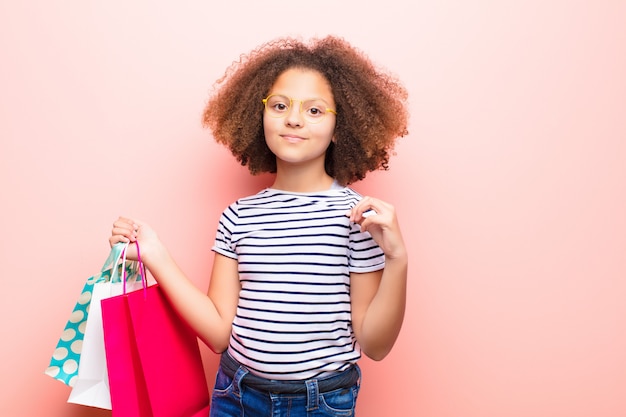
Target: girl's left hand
[[379, 219]]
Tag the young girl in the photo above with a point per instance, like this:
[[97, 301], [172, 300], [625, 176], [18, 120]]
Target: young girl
[[307, 273]]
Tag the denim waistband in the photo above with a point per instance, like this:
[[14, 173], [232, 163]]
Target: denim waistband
[[344, 379]]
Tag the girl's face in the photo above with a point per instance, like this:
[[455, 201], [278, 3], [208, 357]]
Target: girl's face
[[295, 132]]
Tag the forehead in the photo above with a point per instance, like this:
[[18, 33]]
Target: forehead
[[301, 84]]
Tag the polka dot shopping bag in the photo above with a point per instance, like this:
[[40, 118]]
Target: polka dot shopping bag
[[65, 359]]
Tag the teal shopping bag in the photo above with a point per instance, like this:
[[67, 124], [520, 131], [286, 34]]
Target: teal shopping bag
[[66, 356]]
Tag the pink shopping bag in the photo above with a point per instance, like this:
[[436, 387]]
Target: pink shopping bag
[[153, 358]]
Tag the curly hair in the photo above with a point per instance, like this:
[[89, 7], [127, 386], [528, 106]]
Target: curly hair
[[371, 105]]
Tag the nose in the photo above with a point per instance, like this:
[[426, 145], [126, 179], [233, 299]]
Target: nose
[[294, 116]]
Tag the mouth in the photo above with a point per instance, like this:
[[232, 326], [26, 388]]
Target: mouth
[[292, 138]]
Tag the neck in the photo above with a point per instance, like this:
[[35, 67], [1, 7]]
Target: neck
[[301, 179]]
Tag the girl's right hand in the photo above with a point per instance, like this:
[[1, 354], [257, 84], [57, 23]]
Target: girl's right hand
[[124, 230], [130, 231]]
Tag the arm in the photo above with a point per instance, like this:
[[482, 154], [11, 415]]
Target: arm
[[378, 299], [209, 316]]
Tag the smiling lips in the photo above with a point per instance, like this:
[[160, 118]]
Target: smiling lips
[[292, 138]]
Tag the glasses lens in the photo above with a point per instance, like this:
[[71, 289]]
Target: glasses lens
[[277, 106], [314, 110]]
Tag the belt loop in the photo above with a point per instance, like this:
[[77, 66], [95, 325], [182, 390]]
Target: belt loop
[[312, 395], [242, 371]]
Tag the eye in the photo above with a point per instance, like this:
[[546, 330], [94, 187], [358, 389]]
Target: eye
[[314, 109], [278, 104]]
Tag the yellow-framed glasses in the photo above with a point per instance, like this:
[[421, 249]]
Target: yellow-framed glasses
[[313, 110]]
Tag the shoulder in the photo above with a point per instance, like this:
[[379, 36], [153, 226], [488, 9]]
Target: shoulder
[[351, 196], [352, 193], [250, 200]]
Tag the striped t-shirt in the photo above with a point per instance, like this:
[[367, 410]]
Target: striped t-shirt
[[295, 253]]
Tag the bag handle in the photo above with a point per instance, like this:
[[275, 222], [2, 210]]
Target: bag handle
[[141, 272], [113, 261]]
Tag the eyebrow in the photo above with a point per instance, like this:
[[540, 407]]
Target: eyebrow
[[301, 100]]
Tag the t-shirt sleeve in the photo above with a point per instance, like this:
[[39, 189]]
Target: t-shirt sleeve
[[365, 254], [224, 244]]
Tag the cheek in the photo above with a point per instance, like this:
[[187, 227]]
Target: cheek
[[269, 131], [327, 132], [270, 125], [331, 129]]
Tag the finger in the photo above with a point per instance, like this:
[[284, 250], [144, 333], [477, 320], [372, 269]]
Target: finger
[[368, 206], [126, 228], [123, 222], [369, 218], [127, 231], [113, 240]]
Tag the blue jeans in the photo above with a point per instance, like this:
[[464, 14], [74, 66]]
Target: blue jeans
[[232, 397]]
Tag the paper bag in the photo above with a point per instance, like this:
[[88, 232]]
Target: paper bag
[[153, 358], [91, 386], [65, 359]]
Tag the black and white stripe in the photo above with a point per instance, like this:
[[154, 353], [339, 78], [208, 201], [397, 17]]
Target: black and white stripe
[[295, 253]]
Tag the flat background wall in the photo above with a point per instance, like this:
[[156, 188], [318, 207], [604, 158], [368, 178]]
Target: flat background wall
[[511, 187]]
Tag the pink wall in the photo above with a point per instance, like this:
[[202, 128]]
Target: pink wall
[[511, 186]]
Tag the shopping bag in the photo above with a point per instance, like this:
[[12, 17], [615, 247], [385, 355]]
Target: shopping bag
[[65, 359], [153, 358], [91, 386]]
